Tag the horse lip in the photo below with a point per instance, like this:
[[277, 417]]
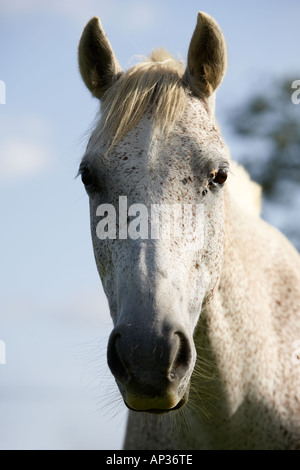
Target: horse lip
[[179, 405]]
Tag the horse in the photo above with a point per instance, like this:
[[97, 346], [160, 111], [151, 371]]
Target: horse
[[204, 327]]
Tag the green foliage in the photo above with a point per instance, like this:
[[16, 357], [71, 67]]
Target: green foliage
[[269, 127]]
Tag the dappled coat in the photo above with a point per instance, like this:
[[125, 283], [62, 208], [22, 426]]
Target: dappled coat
[[206, 333]]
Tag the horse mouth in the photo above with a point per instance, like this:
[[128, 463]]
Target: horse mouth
[[179, 405], [158, 411]]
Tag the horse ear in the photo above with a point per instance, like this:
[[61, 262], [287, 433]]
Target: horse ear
[[207, 57], [98, 65]]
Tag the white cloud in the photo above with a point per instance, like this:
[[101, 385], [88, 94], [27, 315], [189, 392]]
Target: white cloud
[[20, 159], [24, 148]]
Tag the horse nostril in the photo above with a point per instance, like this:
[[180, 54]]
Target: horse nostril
[[160, 361], [114, 360], [183, 357]]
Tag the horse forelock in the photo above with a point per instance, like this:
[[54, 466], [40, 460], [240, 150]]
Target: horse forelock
[[155, 85]]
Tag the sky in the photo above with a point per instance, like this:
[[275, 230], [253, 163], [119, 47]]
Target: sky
[[55, 388]]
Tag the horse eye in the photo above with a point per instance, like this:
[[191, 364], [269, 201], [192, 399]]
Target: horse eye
[[86, 177], [221, 176]]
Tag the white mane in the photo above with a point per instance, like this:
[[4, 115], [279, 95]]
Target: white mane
[[246, 193]]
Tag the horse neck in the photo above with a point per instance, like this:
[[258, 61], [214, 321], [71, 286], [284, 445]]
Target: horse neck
[[237, 329]]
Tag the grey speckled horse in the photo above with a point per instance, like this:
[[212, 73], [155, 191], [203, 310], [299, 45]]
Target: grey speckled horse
[[206, 329]]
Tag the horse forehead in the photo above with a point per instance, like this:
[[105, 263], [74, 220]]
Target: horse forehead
[[197, 127], [146, 146]]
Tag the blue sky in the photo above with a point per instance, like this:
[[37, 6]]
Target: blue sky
[[50, 294]]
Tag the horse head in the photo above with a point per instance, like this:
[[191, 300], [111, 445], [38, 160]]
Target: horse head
[[155, 170]]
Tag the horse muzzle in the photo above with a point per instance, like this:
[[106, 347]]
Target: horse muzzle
[[152, 365]]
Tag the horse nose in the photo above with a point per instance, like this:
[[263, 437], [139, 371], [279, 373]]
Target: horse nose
[[169, 354], [149, 364]]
